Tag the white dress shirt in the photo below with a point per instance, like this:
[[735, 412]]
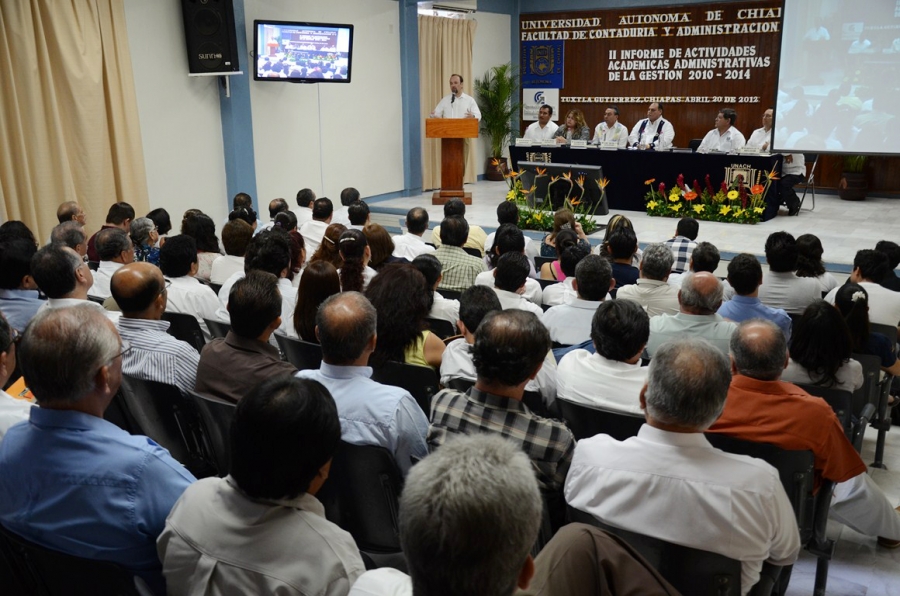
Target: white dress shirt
[[884, 304], [657, 297], [570, 323], [188, 296], [217, 540], [666, 135], [729, 141], [341, 215], [102, 277], [533, 292], [304, 214], [445, 309], [288, 302], [511, 300], [224, 267], [534, 131], [618, 133], [761, 137], [461, 107], [558, 293], [385, 581], [593, 380], [312, 232], [787, 291], [849, 375], [679, 488], [112, 315], [12, 411], [409, 246]]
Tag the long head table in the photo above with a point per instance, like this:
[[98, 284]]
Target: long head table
[[628, 170]]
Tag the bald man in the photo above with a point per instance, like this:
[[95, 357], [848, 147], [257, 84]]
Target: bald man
[[699, 300], [140, 291], [70, 211]]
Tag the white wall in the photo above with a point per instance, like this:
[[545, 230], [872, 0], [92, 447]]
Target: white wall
[[361, 134], [491, 48], [181, 126]]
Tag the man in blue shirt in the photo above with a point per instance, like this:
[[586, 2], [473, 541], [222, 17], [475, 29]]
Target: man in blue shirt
[[69, 480], [19, 298], [745, 276]]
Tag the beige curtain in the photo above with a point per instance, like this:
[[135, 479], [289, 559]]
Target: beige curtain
[[445, 48], [69, 127]]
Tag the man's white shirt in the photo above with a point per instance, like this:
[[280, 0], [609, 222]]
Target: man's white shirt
[[409, 246], [618, 133], [666, 134], [534, 131], [731, 140], [797, 167], [459, 108]]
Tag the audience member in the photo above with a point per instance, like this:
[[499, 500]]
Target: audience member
[[705, 257], [510, 276], [144, 238], [745, 276], [69, 480], [202, 229], [563, 219], [120, 215], [70, 211], [852, 301], [236, 235], [247, 215], [342, 216], [161, 220], [19, 297], [809, 262], [382, 247], [475, 303], [570, 323], [475, 236], [314, 229], [570, 256], [261, 529], [699, 298], [622, 248], [509, 350], [458, 268], [612, 377], [64, 278], [565, 240], [892, 251], [276, 206], [358, 214], [329, 250], [410, 245], [442, 308], [16, 229], [370, 413], [683, 243], [141, 293], [869, 267], [355, 252], [185, 294], [762, 408], [319, 281], [652, 290], [782, 288], [508, 213], [820, 350], [71, 234], [12, 410], [305, 199], [509, 238], [115, 249], [232, 367], [618, 481]]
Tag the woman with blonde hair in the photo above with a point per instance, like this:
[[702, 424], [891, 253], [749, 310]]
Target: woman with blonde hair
[[574, 128], [563, 219]]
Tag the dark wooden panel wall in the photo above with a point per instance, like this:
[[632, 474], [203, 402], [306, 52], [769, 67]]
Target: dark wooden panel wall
[[697, 59]]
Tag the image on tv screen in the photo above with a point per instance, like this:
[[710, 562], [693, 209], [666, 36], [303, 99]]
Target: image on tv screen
[[303, 52]]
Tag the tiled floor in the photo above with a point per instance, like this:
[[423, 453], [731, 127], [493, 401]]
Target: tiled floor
[[858, 567]]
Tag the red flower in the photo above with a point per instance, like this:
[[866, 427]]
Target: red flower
[[680, 181], [696, 187], [662, 188], [709, 186], [724, 187]]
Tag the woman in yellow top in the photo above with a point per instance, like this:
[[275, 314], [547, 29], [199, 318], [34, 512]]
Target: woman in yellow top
[[402, 299]]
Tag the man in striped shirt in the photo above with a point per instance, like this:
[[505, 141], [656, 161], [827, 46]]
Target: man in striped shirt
[[140, 291]]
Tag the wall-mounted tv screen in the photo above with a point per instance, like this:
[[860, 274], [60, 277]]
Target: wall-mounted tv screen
[[296, 52]]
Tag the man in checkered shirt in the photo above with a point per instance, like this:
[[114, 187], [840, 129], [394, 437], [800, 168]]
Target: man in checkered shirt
[[683, 244], [458, 268], [509, 350]]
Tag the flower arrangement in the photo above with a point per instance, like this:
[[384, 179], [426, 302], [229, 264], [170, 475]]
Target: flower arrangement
[[536, 213], [734, 203]]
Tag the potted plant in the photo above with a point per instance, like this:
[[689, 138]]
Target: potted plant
[[497, 94], [853, 184]]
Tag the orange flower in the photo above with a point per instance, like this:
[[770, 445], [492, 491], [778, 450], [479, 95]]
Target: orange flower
[[690, 196], [580, 181], [511, 174], [757, 189], [773, 175], [567, 175], [649, 182], [540, 171], [605, 182], [575, 202], [495, 162]]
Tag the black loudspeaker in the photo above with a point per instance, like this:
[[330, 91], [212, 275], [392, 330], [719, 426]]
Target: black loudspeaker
[[209, 36]]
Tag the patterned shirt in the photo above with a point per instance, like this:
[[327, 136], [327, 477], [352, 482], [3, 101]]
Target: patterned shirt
[[681, 248], [157, 356], [547, 442], [459, 268]]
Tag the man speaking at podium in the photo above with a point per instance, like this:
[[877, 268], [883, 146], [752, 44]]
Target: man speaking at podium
[[457, 104]]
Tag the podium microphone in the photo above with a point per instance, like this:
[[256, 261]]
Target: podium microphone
[[452, 98]]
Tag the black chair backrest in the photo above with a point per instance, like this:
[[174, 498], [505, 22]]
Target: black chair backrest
[[694, 144], [215, 421], [689, 570], [93, 265], [99, 300], [539, 262], [585, 421], [449, 294], [441, 328], [795, 469], [361, 496], [422, 382], [186, 328], [840, 401], [302, 354], [547, 282], [215, 287], [460, 384], [473, 251], [217, 328], [37, 570], [888, 331], [870, 392]]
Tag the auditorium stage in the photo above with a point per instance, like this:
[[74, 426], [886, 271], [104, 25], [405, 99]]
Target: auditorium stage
[[843, 226]]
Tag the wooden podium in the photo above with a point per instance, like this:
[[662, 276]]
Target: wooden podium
[[452, 132]]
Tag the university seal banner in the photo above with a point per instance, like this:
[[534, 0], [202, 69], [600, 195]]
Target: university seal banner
[[542, 64]]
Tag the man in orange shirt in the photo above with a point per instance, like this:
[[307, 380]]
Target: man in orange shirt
[[762, 408]]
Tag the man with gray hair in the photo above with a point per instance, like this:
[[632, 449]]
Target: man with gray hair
[[115, 249], [699, 298], [370, 413], [64, 277], [71, 234], [69, 480], [619, 482], [763, 408], [652, 290]]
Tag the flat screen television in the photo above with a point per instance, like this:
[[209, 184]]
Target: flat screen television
[[298, 52]]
